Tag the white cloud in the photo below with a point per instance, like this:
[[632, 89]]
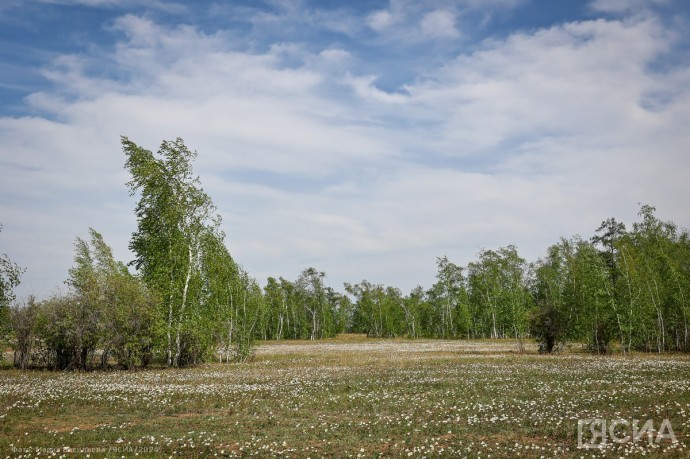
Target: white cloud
[[524, 140], [439, 24], [365, 88], [577, 80], [380, 20], [406, 21]]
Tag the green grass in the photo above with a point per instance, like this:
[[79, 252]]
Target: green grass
[[350, 397]]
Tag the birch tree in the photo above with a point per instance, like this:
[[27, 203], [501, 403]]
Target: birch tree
[[113, 309], [10, 275], [549, 322], [312, 295], [498, 293], [654, 284], [173, 215], [368, 316], [449, 298]]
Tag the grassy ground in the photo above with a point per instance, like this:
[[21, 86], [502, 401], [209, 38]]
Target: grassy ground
[[352, 397]]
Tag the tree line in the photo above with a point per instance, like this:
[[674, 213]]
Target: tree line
[[189, 301], [627, 289]]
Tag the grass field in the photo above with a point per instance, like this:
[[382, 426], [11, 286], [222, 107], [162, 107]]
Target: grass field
[[352, 397]]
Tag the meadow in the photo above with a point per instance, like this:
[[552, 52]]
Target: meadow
[[353, 397]]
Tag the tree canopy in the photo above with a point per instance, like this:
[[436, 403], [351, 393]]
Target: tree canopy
[[188, 301]]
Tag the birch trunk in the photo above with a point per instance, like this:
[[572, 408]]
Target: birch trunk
[[176, 361]]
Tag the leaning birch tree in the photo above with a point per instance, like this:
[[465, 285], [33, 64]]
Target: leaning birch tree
[[173, 215]]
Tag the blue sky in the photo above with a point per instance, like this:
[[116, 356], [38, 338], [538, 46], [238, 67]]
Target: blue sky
[[362, 138]]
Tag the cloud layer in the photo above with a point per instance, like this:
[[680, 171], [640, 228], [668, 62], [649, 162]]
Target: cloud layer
[[519, 138]]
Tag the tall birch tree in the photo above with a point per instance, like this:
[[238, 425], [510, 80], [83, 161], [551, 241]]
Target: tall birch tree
[[173, 215]]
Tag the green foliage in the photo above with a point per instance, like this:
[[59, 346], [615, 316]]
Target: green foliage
[[376, 313], [276, 300], [250, 307], [499, 299], [173, 215], [632, 291], [549, 326], [312, 295], [552, 321], [25, 339], [653, 284], [10, 275], [69, 334], [209, 304], [131, 321], [107, 312], [342, 310], [450, 302]]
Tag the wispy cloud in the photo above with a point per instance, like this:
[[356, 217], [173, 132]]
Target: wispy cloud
[[626, 6], [168, 6], [408, 21], [291, 18], [439, 24]]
